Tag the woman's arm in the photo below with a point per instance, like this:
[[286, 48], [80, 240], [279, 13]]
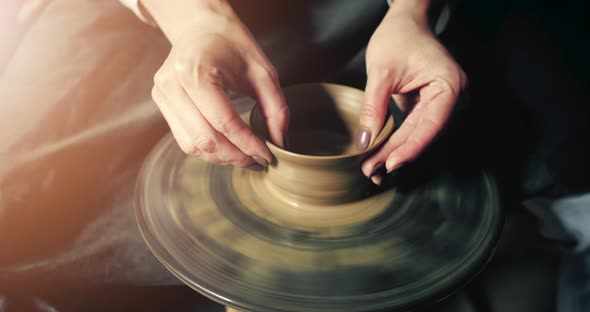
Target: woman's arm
[[405, 60], [213, 51]]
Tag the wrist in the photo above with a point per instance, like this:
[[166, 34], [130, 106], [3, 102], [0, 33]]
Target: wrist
[[175, 16], [414, 9]]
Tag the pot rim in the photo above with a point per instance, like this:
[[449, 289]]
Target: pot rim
[[385, 132]]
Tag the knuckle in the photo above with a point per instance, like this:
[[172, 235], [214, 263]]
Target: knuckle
[[446, 83], [381, 72], [210, 74], [190, 149], [250, 148], [228, 126], [368, 111], [284, 113], [155, 94], [281, 117], [453, 79], [183, 73], [266, 72], [182, 64], [204, 144], [271, 72], [243, 162], [162, 79], [412, 148]]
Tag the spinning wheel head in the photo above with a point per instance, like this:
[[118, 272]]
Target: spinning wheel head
[[306, 235]]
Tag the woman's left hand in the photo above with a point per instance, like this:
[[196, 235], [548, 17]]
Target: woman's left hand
[[404, 59]]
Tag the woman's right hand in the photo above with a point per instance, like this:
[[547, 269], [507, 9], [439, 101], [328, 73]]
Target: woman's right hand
[[213, 51]]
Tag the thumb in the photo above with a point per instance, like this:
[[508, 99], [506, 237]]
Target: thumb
[[273, 106], [374, 107]]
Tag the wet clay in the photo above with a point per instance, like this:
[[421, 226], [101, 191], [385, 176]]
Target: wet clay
[[320, 165], [324, 120], [321, 125]]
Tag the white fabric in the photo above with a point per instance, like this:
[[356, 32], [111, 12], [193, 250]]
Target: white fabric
[[439, 27]]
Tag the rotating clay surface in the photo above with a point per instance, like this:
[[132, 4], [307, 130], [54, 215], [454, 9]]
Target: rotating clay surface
[[249, 240]]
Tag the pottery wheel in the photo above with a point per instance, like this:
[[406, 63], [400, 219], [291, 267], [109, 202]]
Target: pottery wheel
[[223, 233]]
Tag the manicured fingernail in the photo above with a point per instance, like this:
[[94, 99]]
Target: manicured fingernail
[[261, 161], [363, 137], [379, 169], [377, 180], [396, 169]]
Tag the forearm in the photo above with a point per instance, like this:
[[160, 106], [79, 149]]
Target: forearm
[[174, 16]]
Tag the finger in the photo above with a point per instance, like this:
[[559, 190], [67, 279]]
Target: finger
[[396, 139], [435, 106], [193, 133], [210, 99], [174, 123], [374, 107], [266, 86], [379, 158], [377, 179], [428, 118], [202, 142]]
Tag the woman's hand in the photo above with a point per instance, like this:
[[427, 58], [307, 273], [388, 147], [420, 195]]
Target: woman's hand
[[405, 60], [213, 51]]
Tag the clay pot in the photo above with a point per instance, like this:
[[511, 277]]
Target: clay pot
[[319, 164]]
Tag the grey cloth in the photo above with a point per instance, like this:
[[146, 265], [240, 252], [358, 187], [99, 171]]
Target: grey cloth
[[565, 219], [568, 220]]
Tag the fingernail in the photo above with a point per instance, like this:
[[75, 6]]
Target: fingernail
[[376, 180], [379, 169], [363, 137], [261, 161], [395, 169]]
